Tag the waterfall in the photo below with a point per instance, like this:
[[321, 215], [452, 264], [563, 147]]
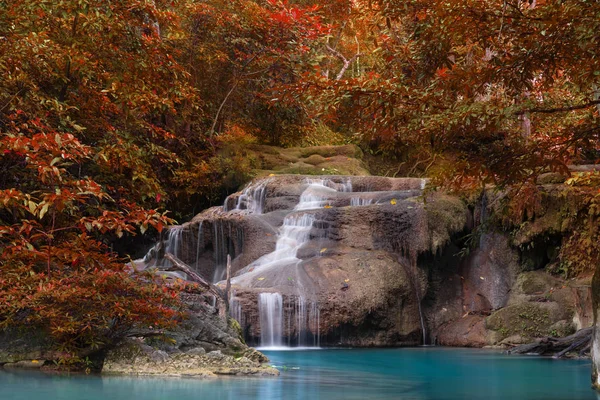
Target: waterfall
[[199, 243], [359, 201], [220, 251], [270, 308], [301, 316], [305, 315], [172, 244], [251, 200], [318, 192], [226, 239], [235, 309], [292, 316]]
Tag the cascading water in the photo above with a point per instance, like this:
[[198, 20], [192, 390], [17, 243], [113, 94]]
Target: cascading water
[[227, 240], [251, 200], [172, 244], [318, 192], [270, 308], [287, 312], [303, 315], [235, 309], [360, 201], [199, 242]]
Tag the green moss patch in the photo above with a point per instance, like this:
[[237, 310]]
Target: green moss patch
[[527, 320]]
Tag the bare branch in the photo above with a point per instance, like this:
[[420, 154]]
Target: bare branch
[[347, 63]]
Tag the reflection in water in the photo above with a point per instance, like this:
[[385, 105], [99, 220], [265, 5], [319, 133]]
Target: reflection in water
[[408, 374]]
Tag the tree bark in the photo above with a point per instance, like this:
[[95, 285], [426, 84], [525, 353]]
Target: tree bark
[[178, 265], [557, 347]]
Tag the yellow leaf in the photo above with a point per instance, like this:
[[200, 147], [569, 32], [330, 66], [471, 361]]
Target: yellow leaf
[[327, 206], [323, 250], [393, 202], [261, 279], [44, 210], [271, 174], [346, 280]]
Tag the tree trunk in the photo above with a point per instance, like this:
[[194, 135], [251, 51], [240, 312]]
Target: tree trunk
[[220, 300], [558, 347]]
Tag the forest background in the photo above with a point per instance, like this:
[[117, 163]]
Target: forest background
[[113, 112]]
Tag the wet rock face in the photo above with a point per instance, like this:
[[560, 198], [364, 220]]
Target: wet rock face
[[381, 264], [345, 245]]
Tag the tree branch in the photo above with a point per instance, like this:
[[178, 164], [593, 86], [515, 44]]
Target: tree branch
[[347, 63], [179, 265]]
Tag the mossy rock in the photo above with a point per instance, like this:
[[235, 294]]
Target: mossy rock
[[300, 169], [318, 160], [342, 165], [315, 159], [235, 325], [529, 320], [536, 282], [551, 178], [444, 214], [349, 150]]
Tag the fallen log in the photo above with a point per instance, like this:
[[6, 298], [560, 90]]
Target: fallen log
[[178, 265], [580, 342]]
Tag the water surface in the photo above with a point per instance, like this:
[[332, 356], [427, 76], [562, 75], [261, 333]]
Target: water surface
[[408, 374]]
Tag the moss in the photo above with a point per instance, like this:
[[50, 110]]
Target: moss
[[315, 159], [342, 165], [445, 215], [302, 170], [551, 178], [318, 160], [527, 320], [235, 325], [535, 282], [349, 150]]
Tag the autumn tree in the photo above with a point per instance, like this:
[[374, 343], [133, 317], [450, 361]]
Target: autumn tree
[[89, 102]]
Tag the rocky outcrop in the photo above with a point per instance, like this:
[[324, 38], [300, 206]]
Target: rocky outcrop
[[203, 344], [29, 350], [506, 291], [358, 262], [378, 263], [133, 357]]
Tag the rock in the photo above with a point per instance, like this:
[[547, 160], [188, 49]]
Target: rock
[[381, 259], [514, 340], [24, 348], [25, 364], [465, 332], [217, 355], [132, 357], [196, 351]]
